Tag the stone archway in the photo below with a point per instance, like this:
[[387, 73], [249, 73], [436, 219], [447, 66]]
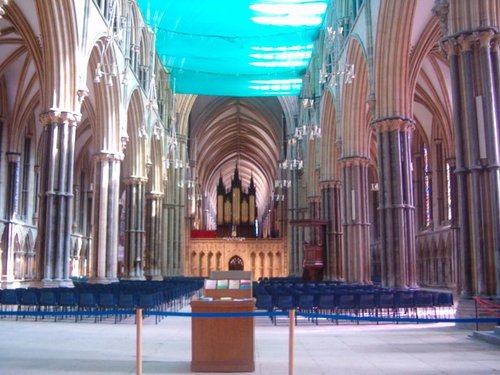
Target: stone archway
[[236, 264]]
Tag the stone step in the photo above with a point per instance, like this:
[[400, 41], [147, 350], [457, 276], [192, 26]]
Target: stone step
[[492, 337]]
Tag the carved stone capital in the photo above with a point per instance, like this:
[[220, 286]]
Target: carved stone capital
[[56, 116], [82, 94], [108, 156], [154, 195], [313, 199], [389, 124], [466, 42], [485, 38], [354, 161], [135, 180], [495, 43], [450, 47], [13, 157], [331, 184]]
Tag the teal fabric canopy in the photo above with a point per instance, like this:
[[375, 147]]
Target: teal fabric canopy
[[235, 47]]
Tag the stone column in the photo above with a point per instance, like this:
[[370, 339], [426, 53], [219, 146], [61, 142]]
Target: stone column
[[168, 240], [103, 259], [14, 159], [330, 210], [134, 228], [56, 196], [396, 208], [153, 236], [14, 166], [356, 219], [315, 233], [455, 264], [475, 74], [296, 236]]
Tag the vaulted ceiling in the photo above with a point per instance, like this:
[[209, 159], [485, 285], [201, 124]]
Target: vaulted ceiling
[[229, 131]]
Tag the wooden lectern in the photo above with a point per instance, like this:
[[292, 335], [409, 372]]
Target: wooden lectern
[[224, 344]]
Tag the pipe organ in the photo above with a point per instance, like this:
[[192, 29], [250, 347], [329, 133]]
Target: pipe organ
[[236, 208]]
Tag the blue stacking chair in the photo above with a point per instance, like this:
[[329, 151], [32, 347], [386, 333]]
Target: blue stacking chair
[[444, 303], [325, 304], [424, 300], [106, 301], [305, 303], [385, 304], [346, 303], [264, 302], [126, 301], [366, 303], [147, 301], [29, 301], [87, 302], [404, 302], [9, 300], [68, 300], [48, 301], [283, 302]]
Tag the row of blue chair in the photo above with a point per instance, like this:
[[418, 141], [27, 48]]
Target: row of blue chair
[[337, 298], [120, 297]]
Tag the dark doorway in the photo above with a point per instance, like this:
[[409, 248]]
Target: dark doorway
[[236, 264]]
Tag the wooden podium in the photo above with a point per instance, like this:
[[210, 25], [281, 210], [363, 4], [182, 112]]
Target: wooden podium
[[223, 344]]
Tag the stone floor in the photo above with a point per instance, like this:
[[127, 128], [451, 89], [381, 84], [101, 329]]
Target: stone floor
[[65, 347]]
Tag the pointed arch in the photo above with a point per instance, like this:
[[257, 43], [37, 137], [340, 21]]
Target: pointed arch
[[329, 154], [355, 130], [134, 162], [392, 53]]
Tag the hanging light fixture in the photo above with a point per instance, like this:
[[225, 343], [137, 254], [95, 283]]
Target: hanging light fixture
[[308, 126], [334, 72]]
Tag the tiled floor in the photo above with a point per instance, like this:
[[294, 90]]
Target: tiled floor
[[28, 347]]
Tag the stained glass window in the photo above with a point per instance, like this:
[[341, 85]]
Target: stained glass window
[[448, 190], [427, 187]]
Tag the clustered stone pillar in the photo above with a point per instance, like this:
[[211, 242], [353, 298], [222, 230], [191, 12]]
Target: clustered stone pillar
[[154, 215], [134, 228], [168, 239], [455, 265], [104, 254], [56, 196], [331, 210], [14, 159], [356, 219], [296, 233], [14, 166], [396, 207], [475, 76]]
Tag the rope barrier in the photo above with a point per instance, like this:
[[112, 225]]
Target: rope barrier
[[488, 305], [335, 317], [292, 314]]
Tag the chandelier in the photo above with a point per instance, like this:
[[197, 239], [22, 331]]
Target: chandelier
[[308, 124], [308, 127], [333, 72], [343, 72]]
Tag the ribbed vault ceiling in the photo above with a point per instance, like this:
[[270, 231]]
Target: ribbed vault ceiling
[[244, 131]]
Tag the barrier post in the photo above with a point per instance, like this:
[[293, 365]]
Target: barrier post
[[477, 315], [291, 318], [138, 342]]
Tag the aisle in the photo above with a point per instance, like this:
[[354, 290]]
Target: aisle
[[46, 347]]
